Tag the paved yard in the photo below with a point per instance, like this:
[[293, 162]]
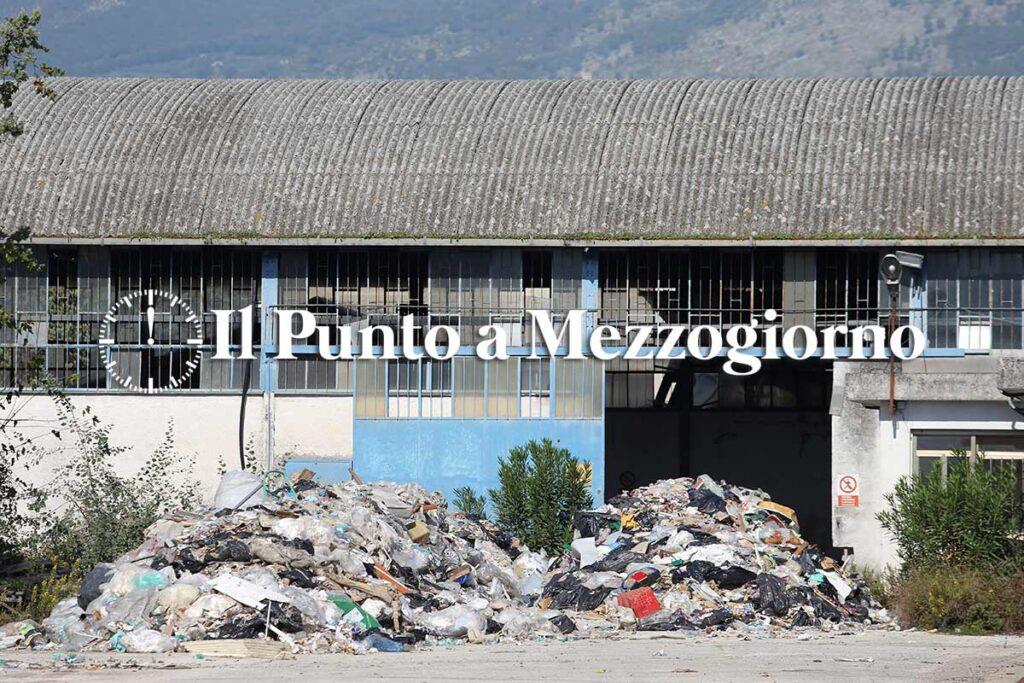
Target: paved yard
[[866, 656]]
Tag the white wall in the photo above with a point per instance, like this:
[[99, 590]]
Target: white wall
[[312, 427], [869, 444], [205, 429]]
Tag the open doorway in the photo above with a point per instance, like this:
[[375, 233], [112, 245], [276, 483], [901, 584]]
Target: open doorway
[[770, 431]]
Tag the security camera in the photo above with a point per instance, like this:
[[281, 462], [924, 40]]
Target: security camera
[[891, 269], [893, 265]]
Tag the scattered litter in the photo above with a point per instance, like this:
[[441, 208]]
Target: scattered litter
[[356, 567]]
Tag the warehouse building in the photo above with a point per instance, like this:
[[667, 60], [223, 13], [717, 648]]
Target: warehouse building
[[468, 203]]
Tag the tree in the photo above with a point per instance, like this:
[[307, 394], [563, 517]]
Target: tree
[[19, 64], [541, 487]]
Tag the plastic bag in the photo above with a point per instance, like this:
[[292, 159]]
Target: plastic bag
[[177, 597], [706, 501], [452, 622], [239, 491], [212, 604], [381, 643], [92, 583], [147, 640], [771, 595], [566, 592], [724, 577], [355, 615], [131, 610]]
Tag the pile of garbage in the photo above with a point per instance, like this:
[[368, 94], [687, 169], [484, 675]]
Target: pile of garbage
[[309, 567], [691, 554]]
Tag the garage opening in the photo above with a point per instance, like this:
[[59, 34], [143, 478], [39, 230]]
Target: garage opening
[[771, 430]]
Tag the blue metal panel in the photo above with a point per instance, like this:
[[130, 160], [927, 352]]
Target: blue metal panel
[[445, 454], [327, 471], [590, 290], [269, 297]]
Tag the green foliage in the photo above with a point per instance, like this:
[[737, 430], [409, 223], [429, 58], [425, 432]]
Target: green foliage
[[91, 512], [971, 518], [511, 501], [469, 503], [961, 599], [35, 597], [19, 63], [541, 488]]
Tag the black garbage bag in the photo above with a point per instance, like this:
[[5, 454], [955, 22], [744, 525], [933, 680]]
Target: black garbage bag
[[771, 595], [564, 624], [623, 502], [707, 502], [567, 592], [243, 626], [807, 564], [823, 609], [299, 578], [285, 617], [90, 588], [725, 577], [801, 619], [230, 551], [590, 523], [701, 537], [617, 560], [716, 618], [187, 561], [731, 577], [676, 621]]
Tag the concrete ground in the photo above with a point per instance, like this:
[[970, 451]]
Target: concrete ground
[[876, 655]]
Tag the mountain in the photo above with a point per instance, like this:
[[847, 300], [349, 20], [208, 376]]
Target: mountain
[[532, 38]]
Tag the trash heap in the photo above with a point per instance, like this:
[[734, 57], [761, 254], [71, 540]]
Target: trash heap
[[306, 567], [689, 554]]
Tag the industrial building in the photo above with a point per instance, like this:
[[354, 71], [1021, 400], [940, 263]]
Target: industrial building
[[467, 203]]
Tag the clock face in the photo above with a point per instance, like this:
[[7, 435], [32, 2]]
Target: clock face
[[138, 321]]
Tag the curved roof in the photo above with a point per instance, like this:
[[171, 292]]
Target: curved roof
[[669, 159]]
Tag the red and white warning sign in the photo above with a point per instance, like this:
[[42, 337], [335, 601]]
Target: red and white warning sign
[[847, 495]]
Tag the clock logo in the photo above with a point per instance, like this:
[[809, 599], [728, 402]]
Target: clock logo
[[133, 321]]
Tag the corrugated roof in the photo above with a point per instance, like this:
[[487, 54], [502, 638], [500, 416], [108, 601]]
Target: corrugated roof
[[668, 159]]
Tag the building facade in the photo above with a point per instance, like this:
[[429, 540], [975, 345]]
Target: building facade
[[471, 203]]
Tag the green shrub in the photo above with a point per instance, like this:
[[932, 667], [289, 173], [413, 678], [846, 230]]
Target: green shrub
[[90, 512], [961, 600], [469, 503], [540, 488], [971, 518]]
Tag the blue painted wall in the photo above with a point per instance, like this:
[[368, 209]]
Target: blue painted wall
[[443, 454], [327, 471]]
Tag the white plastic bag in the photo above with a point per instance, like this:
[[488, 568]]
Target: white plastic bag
[[148, 640], [452, 622]]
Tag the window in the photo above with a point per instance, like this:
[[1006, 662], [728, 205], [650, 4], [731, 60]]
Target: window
[[534, 387], [998, 450], [847, 288], [64, 302], [974, 299], [419, 388], [314, 374], [775, 387]]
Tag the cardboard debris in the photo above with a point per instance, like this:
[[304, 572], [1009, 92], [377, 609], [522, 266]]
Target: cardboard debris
[[377, 566], [251, 647]]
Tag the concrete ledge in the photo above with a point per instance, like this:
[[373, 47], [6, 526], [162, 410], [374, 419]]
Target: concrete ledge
[[870, 387]]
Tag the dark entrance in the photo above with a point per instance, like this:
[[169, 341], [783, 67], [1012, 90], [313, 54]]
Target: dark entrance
[[771, 431]]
